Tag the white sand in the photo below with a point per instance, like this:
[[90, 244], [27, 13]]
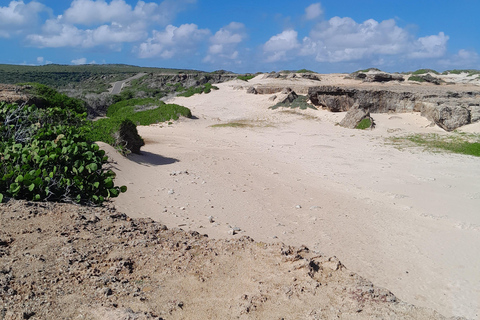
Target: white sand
[[407, 220]]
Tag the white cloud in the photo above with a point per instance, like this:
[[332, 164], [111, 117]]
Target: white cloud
[[463, 59], [313, 11], [107, 23], [434, 46], [224, 43], [172, 41], [57, 34], [18, 17], [344, 40], [40, 60], [81, 61], [94, 12], [277, 46]]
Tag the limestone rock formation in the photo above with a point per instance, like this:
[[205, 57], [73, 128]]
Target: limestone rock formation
[[252, 90], [355, 115], [291, 96], [448, 110], [379, 77]]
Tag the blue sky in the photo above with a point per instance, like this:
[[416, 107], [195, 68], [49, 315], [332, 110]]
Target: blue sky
[[244, 36]]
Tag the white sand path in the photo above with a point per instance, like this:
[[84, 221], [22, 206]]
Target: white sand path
[[406, 220]]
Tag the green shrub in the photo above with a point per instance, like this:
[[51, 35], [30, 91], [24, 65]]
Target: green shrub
[[207, 88], [424, 71], [364, 124], [246, 77], [105, 129], [305, 71], [416, 78], [50, 160], [53, 98]]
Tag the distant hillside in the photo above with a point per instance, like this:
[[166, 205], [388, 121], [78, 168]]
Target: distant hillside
[[60, 76]]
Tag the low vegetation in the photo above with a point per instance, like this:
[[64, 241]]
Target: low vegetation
[[246, 77], [243, 124], [364, 124], [468, 144], [140, 111], [470, 72], [305, 71], [80, 77], [416, 78], [207, 88], [46, 155], [425, 71]]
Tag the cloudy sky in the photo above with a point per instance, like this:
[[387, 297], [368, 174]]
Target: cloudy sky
[[244, 36]]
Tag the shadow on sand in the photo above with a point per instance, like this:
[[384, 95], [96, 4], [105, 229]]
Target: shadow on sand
[[151, 159]]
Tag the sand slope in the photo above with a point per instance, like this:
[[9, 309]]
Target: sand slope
[[405, 219]]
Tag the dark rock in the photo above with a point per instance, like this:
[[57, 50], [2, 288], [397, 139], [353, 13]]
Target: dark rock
[[290, 97], [252, 90], [310, 76], [378, 77], [431, 79]]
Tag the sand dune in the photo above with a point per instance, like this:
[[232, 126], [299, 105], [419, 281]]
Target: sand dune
[[407, 220]]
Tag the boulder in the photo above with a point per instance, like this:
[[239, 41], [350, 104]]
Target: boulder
[[290, 97], [382, 77], [450, 118], [310, 76], [252, 90], [429, 78], [355, 115]]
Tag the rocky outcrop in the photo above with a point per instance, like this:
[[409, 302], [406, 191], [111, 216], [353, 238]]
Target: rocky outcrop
[[379, 77], [355, 115], [449, 110], [252, 90], [292, 75], [291, 96], [426, 78], [447, 117]]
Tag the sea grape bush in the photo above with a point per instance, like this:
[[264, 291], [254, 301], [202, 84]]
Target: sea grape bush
[[45, 155]]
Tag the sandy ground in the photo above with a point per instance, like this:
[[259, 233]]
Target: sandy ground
[[407, 220]]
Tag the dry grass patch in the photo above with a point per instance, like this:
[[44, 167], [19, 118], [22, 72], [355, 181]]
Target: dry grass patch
[[244, 124]]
